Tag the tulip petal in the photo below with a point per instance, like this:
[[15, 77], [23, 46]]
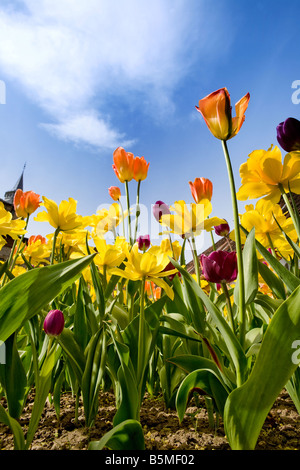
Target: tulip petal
[[161, 283]]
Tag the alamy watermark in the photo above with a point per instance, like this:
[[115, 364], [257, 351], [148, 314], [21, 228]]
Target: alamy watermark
[[2, 92], [296, 354], [2, 353], [296, 93]]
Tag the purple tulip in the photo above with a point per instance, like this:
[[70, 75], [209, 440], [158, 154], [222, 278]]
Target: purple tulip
[[159, 209], [219, 266], [288, 134], [143, 242], [54, 323], [222, 230]]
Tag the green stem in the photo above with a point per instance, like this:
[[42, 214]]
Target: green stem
[[104, 277], [128, 209], [242, 309], [137, 213], [229, 307], [271, 245], [13, 258], [122, 215], [290, 209], [141, 341], [53, 245], [196, 261]]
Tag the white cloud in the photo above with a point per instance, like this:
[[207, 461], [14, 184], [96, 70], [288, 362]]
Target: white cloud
[[70, 54], [88, 129]]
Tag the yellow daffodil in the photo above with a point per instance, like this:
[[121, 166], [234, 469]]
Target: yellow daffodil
[[264, 174], [148, 266], [63, 217], [10, 226], [190, 220]]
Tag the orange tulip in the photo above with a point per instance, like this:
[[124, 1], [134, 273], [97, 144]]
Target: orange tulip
[[114, 192], [202, 188], [25, 203], [35, 238], [140, 168], [216, 111], [123, 164]]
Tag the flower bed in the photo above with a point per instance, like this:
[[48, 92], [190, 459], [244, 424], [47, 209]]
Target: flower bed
[[85, 317]]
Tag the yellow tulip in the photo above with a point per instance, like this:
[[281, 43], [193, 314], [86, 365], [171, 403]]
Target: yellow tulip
[[264, 174], [216, 111], [148, 266], [108, 256], [63, 217], [36, 251], [10, 226], [106, 220], [190, 221], [267, 232]]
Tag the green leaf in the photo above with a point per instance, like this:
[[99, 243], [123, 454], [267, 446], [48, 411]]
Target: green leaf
[[80, 321], [247, 406], [236, 353], [43, 384], [93, 374], [127, 435], [274, 282], [291, 281], [129, 397], [27, 294], [250, 271], [189, 363], [15, 389], [207, 383], [73, 351], [19, 440]]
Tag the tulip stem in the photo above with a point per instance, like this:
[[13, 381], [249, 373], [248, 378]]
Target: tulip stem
[[54, 244], [137, 213], [271, 245], [141, 341], [196, 261], [123, 221], [241, 313], [229, 307], [128, 209]]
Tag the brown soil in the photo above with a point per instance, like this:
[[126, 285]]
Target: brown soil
[[161, 427]]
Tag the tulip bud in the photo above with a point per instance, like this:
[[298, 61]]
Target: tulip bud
[[288, 134], [222, 230], [25, 203], [114, 192], [160, 209], [219, 266], [54, 323], [143, 242], [140, 168], [123, 164], [202, 188]]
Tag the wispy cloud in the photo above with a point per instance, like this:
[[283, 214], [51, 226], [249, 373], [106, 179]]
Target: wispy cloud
[[71, 58]]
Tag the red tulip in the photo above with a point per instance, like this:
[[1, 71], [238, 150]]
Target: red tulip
[[54, 323], [219, 266]]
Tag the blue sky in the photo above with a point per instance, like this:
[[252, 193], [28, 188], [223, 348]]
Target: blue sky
[[83, 78]]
